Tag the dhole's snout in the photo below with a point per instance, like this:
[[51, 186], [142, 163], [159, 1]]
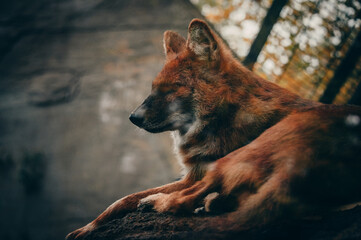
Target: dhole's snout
[[137, 116]]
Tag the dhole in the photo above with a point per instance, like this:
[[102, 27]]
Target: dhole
[[247, 145]]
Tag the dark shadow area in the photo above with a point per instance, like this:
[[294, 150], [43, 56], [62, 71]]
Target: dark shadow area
[[32, 172]]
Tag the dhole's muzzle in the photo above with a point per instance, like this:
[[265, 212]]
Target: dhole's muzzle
[[156, 114], [151, 115]]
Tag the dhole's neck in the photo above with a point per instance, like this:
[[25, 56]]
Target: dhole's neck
[[248, 106]]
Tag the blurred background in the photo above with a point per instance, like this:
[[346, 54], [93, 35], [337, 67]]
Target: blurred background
[[309, 47], [71, 71]]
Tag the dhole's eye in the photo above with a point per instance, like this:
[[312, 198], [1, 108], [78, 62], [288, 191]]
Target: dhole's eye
[[175, 87], [170, 91], [179, 85]]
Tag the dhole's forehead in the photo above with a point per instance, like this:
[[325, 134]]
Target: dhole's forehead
[[173, 72]]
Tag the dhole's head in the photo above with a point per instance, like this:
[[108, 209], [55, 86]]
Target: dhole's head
[[189, 87]]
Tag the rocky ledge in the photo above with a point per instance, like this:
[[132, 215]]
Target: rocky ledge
[[150, 225]]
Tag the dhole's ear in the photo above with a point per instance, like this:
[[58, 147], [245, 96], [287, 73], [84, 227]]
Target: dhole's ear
[[201, 40], [173, 43]]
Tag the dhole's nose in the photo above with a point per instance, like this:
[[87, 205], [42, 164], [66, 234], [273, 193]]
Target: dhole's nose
[[136, 119]]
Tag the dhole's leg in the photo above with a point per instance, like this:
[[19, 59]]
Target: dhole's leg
[[270, 202], [253, 207], [183, 201], [127, 204], [219, 179], [231, 176]]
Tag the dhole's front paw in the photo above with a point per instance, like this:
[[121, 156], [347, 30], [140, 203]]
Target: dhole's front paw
[[171, 203], [155, 201], [80, 233]]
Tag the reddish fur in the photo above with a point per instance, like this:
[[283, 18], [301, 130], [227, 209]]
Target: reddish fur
[[269, 148]]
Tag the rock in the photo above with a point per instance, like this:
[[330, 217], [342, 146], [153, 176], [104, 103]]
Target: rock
[[53, 88], [151, 225]]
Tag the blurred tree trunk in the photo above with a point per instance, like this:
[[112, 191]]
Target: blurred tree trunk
[[345, 68], [356, 97], [266, 27]]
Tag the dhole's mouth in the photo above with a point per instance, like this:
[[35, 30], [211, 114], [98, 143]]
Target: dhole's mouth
[[152, 127], [157, 129]]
